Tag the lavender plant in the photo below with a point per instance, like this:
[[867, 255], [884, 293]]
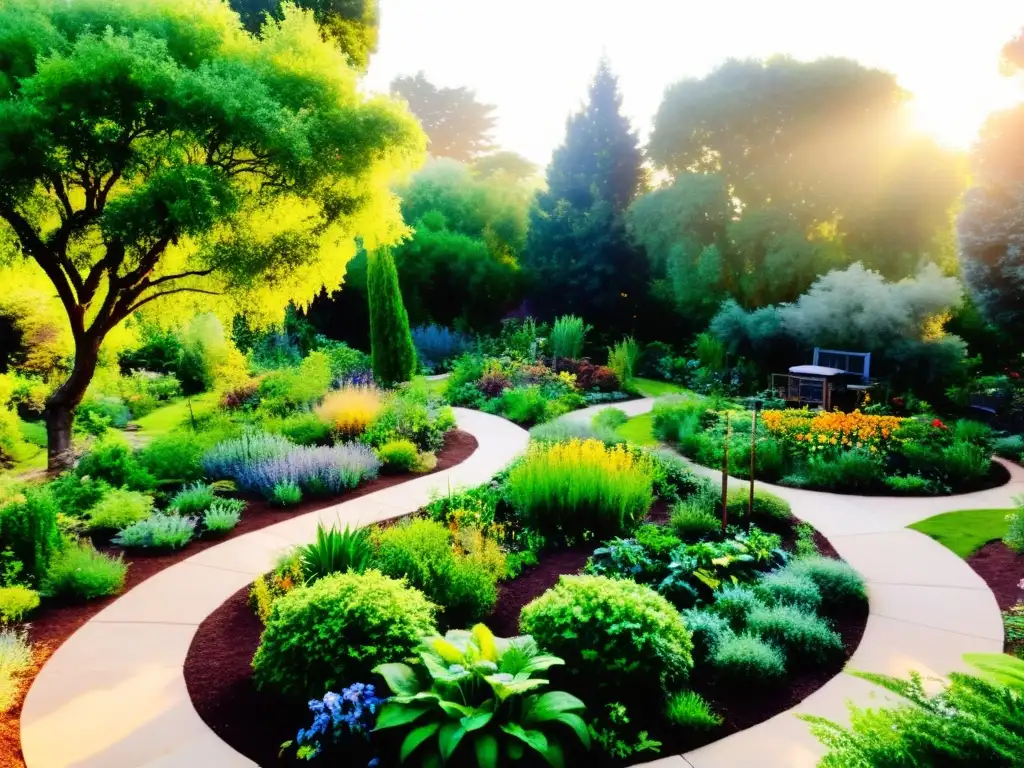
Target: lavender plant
[[315, 470], [336, 719]]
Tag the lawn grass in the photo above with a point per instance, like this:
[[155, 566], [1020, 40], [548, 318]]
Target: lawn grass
[[655, 388], [966, 531], [638, 430], [167, 417]]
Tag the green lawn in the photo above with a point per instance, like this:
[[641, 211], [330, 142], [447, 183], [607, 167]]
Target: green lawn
[[655, 388], [639, 430], [966, 531], [167, 417]]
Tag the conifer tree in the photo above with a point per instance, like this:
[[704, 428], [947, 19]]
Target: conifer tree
[[578, 253], [392, 353]]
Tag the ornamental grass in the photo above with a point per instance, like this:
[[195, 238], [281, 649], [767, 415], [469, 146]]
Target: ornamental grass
[[572, 489], [350, 409]]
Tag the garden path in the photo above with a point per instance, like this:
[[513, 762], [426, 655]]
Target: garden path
[[114, 695], [927, 607]]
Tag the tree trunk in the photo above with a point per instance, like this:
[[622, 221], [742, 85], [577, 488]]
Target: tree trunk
[[60, 408]]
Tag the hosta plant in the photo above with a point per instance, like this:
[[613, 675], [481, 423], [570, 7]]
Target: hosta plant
[[476, 693]]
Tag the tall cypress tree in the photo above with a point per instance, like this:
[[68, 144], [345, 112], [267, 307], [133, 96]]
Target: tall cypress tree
[[392, 354], [578, 254]]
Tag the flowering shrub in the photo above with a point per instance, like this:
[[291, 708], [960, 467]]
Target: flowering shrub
[[337, 718], [350, 409], [832, 430], [316, 471]]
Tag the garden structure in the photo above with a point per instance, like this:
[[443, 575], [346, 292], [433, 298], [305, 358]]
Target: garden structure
[[115, 693]]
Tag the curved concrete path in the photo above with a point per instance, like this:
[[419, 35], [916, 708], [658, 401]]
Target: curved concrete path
[[927, 608], [114, 695]]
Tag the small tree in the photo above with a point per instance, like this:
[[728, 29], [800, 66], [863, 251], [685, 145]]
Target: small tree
[[392, 352], [152, 150]]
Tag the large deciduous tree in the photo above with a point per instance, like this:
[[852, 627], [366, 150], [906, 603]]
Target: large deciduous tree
[[350, 24], [457, 125], [823, 143], [154, 151], [991, 226], [579, 255]]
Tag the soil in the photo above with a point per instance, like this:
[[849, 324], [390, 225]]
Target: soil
[[1002, 569], [218, 669], [56, 621]]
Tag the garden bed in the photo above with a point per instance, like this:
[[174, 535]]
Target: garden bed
[[55, 622], [218, 670]]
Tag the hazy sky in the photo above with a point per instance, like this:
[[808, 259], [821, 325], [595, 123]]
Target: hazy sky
[[534, 58]]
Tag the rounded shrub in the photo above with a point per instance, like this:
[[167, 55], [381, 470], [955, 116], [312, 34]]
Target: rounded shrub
[[708, 630], [611, 632], [748, 660], [802, 635], [119, 509], [787, 587], [734, 603], [839, 584], [324, 636], [398, 456]]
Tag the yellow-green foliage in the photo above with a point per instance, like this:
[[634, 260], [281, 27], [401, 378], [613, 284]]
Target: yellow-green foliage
[[17, 602], [351, 409], [568, 489]]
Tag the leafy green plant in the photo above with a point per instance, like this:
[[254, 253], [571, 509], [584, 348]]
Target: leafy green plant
[[120, 508], [422, 551], [158, 531], [612, 633], [839, 584], [223, 515], [804, 637], [688, 709], [286, 494], [747, 660], [612, 734], [398, 456], [335, 551], [972, 721], [567, 336], [80, 571], [477, 692], [193, 500], [16, 602], [338, 629]]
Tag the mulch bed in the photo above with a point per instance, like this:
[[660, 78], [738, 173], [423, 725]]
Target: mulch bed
[[55, 622], [218, 669]]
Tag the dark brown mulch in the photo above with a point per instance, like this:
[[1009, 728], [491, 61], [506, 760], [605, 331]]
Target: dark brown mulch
[[1002, 569], [54, 623], [218, 670]]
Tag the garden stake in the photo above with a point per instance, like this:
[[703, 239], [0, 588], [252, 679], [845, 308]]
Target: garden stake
[[725, 474]]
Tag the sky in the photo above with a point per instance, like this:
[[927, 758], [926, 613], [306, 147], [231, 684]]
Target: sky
[[534, 59]]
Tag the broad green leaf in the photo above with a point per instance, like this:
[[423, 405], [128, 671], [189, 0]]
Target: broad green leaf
[[448, 739], [550, 705], [455, 710], [575, 722], [553, 754], [486, 747], [415, 737], [401, 678], [485, 642], [392, 714], [534, 739]]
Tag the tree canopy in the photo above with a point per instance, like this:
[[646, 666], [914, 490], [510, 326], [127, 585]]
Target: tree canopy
[[350, 24], [458, 126], [578, 251], [153, 149]]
